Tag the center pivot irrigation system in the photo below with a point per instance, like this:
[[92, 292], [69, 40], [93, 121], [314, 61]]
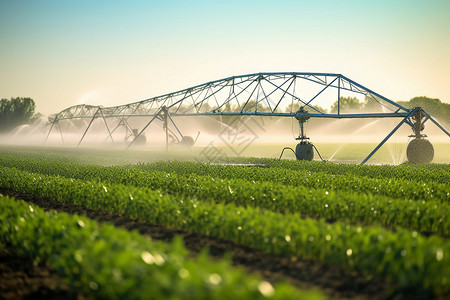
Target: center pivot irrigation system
[[261, 95]]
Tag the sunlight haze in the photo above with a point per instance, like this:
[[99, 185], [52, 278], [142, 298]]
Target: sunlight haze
[[63, 53]]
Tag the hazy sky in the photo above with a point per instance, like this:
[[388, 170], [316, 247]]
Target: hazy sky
[[63, 53]]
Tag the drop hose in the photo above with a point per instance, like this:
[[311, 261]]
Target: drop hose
[[289, 148]]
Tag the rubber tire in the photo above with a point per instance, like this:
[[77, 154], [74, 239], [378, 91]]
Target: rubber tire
[[189, 140], [304, 152], [420, 151], [141, 140]]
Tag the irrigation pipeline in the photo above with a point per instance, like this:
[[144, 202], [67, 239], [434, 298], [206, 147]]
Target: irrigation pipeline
[[282, 151], [285, 148], [318, 152]]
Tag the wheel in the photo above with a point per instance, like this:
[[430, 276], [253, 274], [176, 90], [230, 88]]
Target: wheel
[[141, 140], [189, 140], [304, 151], [420, 151]]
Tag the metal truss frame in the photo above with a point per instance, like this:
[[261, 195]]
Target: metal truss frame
[[258, 94]]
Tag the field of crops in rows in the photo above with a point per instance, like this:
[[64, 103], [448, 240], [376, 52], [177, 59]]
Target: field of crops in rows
[[385, 226]]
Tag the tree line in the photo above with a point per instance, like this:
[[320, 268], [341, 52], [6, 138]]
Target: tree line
[[18, 111], [15, 112]]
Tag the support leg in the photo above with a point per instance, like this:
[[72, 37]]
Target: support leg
[[145, 127], [182, 136], [51, 127], [107, 127], [436, 123], [90, 123], [60, 132], [385, 139]]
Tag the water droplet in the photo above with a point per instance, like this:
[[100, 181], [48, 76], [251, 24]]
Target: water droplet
[[159, 260], [266, 289], [231, 191], [214, 279], [183, 273], [77, 256], [81, 223], [439, 254], [93, 285], [147, 257]]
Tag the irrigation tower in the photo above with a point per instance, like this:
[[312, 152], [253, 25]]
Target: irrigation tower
[[261, 95]]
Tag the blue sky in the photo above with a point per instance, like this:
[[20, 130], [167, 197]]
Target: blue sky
[[63, 53]]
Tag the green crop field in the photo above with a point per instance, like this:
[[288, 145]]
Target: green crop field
[[385, 226]]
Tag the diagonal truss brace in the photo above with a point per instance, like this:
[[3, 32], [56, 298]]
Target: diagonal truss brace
[[407, 121], [163, 114]]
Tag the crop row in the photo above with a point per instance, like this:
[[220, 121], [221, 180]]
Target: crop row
[[424, 216], [110, 263], [391, 187], [438, 173], [425, 173], [370, 250], [416, 173], [394, 188]]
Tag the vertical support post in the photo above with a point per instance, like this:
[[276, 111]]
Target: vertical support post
[[339, 94], [166, 127], [301, 130]]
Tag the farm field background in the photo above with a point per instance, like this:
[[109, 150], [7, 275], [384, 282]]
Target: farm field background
[[343, 230], [351, 153]]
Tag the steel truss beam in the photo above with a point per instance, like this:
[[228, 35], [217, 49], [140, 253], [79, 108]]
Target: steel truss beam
[[258, 94]]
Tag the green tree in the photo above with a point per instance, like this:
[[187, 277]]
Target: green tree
[[252, 106], [433, 106], [347, 104], [15, 112], [295, 106]]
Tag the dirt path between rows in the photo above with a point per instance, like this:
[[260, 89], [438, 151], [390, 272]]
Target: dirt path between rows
[[335, 282]]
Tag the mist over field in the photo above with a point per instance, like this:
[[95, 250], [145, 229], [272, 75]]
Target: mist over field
[[339, 140]]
